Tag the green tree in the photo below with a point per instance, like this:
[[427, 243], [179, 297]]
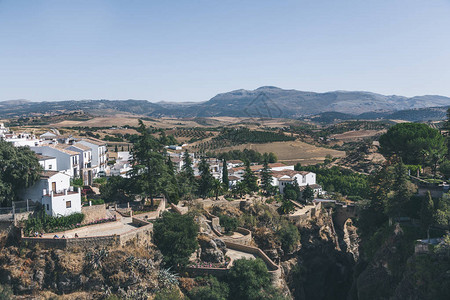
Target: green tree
[[266, 179], [213, 289], [289, 237], [170, 187], [249, 178], [225, 180], [248, 278], [115, 149], [116, 189], [286, 206], [19, 169], [186, 180], [414, 143], [402, 189], [444, 168], [176, 237], [308, 193], [239, 189], [427, 213], [291, 192], [228, 223], [149, 167], [217, 187], [206, 179]]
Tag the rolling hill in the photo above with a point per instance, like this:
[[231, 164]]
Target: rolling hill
[[262, 102]]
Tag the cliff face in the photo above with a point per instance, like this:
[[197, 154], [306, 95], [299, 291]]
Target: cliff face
[[396, 272], [95, 272], [323, 267]]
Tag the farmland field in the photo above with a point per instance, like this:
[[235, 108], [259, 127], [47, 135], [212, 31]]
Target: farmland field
[[356, 135], [291, 151]]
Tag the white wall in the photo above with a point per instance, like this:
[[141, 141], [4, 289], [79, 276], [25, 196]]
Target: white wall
[[64, 160], [55, 203], [49, 164]]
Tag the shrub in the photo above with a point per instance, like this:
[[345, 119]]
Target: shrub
[[289, 237], [43, 222], [213, 289], [228, 223]]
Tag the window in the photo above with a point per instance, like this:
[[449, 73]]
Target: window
[[50, 167], [68, 204], [48, 207]]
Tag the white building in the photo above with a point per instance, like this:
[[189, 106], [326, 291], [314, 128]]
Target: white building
[[22, 139], [285, 177], [85, 154], [99, 158], [122, 165], [48, 163], [53, 190], [3, 130], [67, 160], [48, 136]]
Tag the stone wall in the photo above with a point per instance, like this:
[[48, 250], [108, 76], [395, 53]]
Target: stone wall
[[141, 235], [217, 272], [245, 239], [274, 269], [87, 242], [93, 213]]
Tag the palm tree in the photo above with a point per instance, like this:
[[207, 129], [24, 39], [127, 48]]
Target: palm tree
[[217, 187]]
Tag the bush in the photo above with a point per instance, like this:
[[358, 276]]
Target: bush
[[212, 290], [289, 237], [42, 222], [228, 223], [78, 182], [100, 180]]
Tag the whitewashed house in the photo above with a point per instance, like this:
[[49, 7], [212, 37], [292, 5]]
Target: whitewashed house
[[68, 161], [234, 163], [22, 139], [122, 165], [3, 130], [282, 178], [48, 136], [99, 157], [85, 154], [48, 163], [54, 192]]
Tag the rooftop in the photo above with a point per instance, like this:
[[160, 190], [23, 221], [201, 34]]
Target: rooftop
[[44, 157], [94, 141], [82, 147], [48, 174]]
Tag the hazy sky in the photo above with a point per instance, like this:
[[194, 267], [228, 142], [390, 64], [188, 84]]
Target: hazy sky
[[192, 50]]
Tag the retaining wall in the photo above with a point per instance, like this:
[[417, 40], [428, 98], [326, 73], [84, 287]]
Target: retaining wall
[[274, 269], [87, 242], [245, 239], [93, 213]]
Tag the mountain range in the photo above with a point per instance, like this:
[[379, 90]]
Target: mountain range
[[265, 101]]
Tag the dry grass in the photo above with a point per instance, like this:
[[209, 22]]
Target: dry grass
[[357, 135], [291, 152]]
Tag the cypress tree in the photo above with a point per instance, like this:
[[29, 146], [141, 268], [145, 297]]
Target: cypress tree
[[206, 178], [225, 180], [266, 178], [250, 180]]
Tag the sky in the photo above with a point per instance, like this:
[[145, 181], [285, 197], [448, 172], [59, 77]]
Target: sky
[[192, 50]]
